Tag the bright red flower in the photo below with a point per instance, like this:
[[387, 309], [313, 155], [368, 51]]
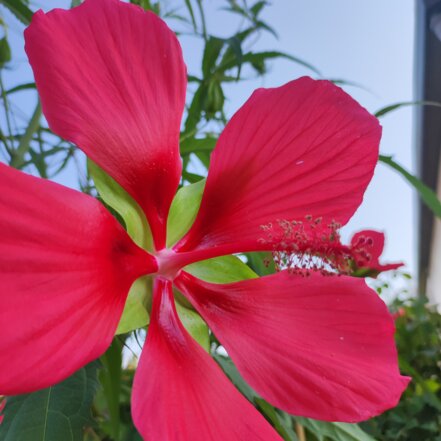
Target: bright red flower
[[112, 80]]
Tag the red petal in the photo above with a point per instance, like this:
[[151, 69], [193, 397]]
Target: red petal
[[303, 149], [180, 394], [314, 346], [66, 267], [112, 80]]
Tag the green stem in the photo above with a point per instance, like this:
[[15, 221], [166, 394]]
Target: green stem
[[9, 148]]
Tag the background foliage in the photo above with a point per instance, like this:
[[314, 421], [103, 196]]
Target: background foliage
[[94, 404]]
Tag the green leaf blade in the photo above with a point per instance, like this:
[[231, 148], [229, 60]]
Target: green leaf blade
[[60, 412]]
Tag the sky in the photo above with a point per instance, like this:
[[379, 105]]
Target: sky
[[367, 42]]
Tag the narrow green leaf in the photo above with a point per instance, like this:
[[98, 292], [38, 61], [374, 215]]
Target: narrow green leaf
[[192, 145], [383, 111], [117, 198], [19, 9], [280, 421], [25, 86], [282, 425], [212, 50], [135, 313], [428, 196], [19, 154], [194, 113], [183, 211], [252, 57], [325, 431], [257, 7], [235, 44], [194, 324], [224, 269], [110, 379], [5, 52], [191, 12], [233, 374], [61, 412]]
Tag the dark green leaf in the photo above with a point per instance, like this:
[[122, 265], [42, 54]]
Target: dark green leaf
[[5, 52], [59, 413], [257, 7], [192, 145], [110, 378], [325, 431], [19, 9], [252, 57], [194, 112], [18, 156], [281, 424], [20, 87], [212, 50], [392, 107], [428, 196], [191, 12]]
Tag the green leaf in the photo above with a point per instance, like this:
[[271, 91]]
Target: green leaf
[[192, 145], [233, 374], [325, 431], [110, 379], [383, 111], [224, 269], [117, 198], [183, 211], [19, 9], [61, 412], [253, 57], [428, 196], [281, 424], [281, 421], [5, 52], [212, 50], [135, 313], [25, 86], [19, 154], [191, 12], [194, 324]]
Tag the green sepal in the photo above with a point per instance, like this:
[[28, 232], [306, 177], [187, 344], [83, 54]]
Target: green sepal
[[116, 197], [194, 324], [224, 269], [135, 314], [183, 211]]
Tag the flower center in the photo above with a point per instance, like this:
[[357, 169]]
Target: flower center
[[168, 265]]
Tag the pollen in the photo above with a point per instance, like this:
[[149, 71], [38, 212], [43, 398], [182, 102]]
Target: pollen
[[302, 246]]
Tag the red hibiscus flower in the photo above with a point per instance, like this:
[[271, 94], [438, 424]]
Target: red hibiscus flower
[[112, 80]]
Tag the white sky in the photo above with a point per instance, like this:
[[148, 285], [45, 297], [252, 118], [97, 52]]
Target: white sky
[[368, 42]]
